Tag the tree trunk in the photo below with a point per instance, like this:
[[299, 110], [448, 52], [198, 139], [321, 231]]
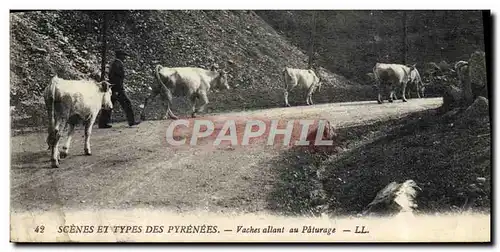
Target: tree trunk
[[405, 39], [311, 40], [104, 43]]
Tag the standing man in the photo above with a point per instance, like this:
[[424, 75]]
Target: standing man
[[116, 76]]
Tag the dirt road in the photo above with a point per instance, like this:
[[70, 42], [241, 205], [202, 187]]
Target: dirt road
[[134, 167]]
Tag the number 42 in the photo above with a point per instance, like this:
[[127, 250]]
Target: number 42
[[39, 229]]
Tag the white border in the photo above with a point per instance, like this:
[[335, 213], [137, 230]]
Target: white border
[[253, 4], [207, 4]]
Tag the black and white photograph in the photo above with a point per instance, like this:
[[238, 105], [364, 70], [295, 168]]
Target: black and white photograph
[[250, 125]]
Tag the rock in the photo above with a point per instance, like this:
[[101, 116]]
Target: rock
[[395, 197], [478, 108], [478, 78], [452, 98]]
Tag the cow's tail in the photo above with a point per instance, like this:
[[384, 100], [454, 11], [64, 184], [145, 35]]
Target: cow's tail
[[375, 73], [51, 111], [157, 74], [53, 95], [320, 82], [420, 79], [285, 74], [165, 90], [375, 76]]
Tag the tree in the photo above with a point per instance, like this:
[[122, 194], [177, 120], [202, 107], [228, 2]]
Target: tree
[[405, 39], [311, 39], [105, 21]]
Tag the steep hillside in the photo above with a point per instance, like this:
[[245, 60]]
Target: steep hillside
[[350, 42], [68, 43]]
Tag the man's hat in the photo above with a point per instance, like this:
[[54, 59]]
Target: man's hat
[[121, 52]]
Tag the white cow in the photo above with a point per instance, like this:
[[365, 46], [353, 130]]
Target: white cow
[[392, 76], [67, 102], [416, 82], [193, 83], [304, 79]]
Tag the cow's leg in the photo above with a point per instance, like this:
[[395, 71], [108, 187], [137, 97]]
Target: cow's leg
[[55, 132], [309, 96], [53, 139], [379, 91], [71, 129], [51, 133], [167, 97], [379, 98], [55, 136], [192, 99], [204, 101], [391, 94], [88, 132], [165, 104], [286, 98], [403, 92]]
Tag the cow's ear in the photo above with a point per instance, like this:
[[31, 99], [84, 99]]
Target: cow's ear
[[104, 86]]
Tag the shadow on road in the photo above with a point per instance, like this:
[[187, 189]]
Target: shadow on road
[[27, 159]]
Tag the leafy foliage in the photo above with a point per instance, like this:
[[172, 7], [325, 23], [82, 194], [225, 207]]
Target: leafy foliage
[[351, 42]]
